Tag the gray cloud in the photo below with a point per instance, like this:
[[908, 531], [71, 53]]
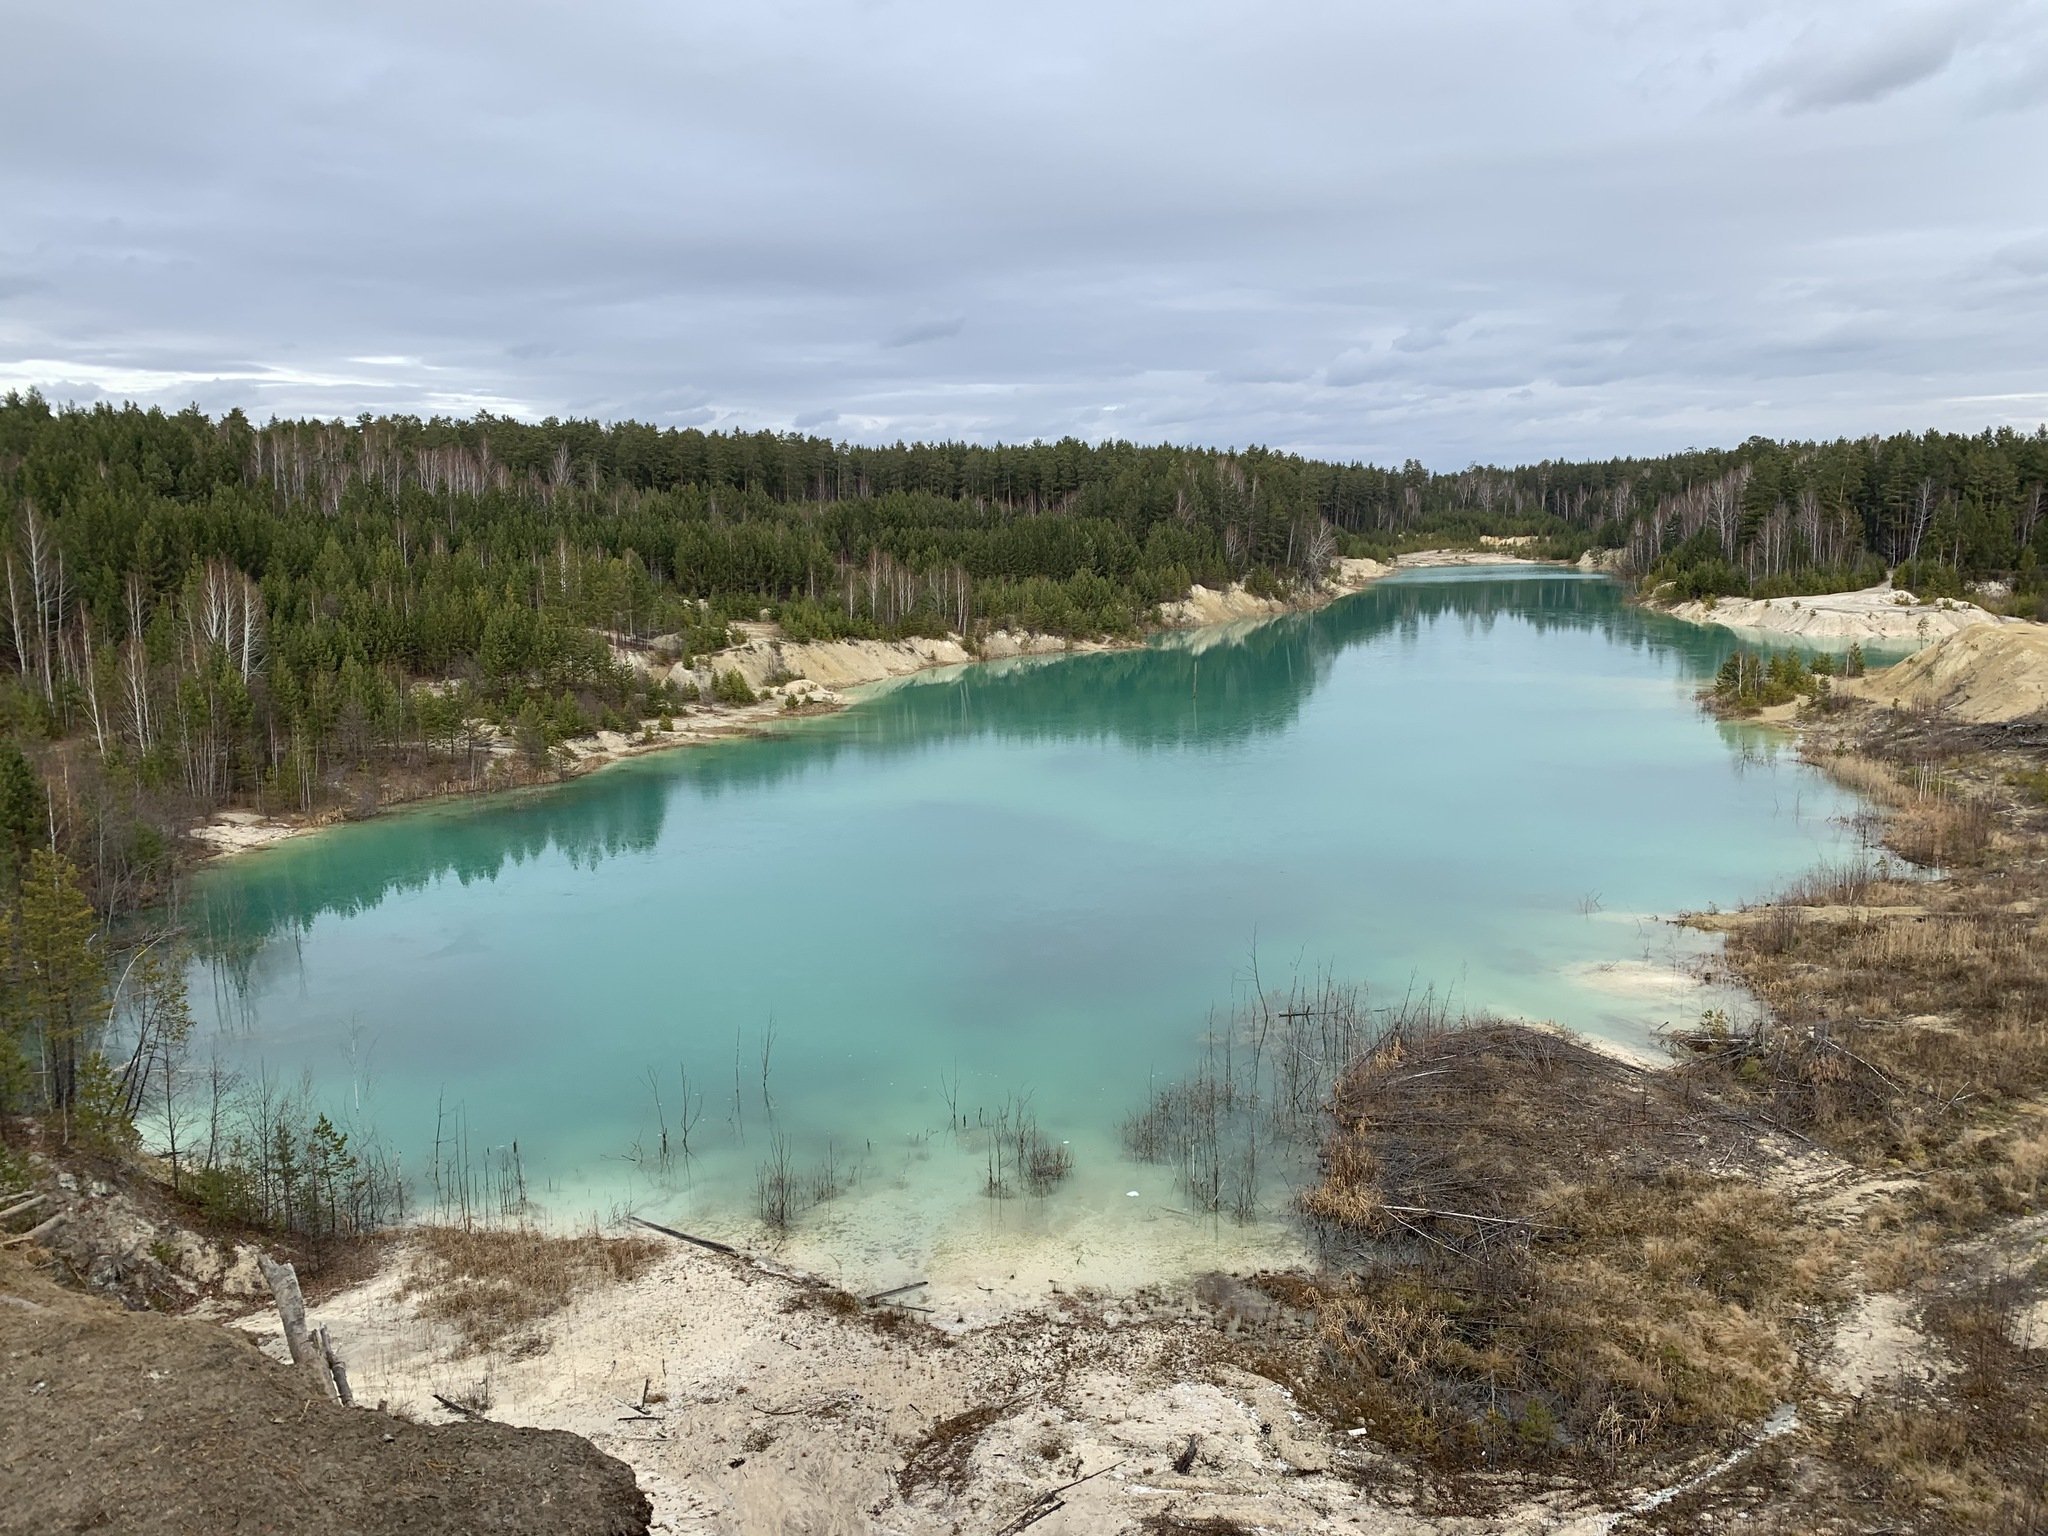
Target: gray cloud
[[1487, 229], [919, 331], [1869, 63]]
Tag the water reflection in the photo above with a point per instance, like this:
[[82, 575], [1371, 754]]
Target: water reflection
[[1211, 689]]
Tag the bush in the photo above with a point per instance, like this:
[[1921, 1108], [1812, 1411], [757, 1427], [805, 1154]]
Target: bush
[[1752, 680], [1261, 582], [731, 688]]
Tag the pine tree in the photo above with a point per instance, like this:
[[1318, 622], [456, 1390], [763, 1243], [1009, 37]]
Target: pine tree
[[59, 978]]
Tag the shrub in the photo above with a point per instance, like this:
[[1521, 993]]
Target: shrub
[[731, 688]]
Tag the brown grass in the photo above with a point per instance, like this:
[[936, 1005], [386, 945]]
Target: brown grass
[[1890, 1031], [1916, 1040], [1931, 817], [1903, 1013], [491, 1283], [1540, 1273], [1966, 1454]]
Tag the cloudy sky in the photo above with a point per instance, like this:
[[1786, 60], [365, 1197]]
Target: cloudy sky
[[1450, 229]]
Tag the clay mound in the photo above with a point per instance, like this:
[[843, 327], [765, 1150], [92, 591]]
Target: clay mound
[[143, 1424], [1984, 675]]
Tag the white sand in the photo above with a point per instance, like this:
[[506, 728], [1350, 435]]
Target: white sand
[[768, 1413], [780, 1416], [1875, 613], [1433, 557], [240, 831]]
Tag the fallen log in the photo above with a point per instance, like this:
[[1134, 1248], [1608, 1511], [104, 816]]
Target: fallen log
[[33, 1232], [1496, 1221], [27, 1205]]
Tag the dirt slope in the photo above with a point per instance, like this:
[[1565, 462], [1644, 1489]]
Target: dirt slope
[[143, 1424], [1984, 675]]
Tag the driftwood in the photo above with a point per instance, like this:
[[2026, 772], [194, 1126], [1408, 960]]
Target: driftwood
[[702, 1242], [307, 1356], [1495, 1221], [462, 1408]]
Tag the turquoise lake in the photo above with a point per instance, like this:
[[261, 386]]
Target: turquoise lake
[[1045, 878]]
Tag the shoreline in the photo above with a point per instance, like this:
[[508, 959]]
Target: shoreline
[[764, 659]]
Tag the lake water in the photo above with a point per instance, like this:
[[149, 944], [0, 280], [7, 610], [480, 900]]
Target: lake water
[[1039, 882]]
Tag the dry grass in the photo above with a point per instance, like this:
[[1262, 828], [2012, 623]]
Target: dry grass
[[1931, 817], [1967, 1454], [1916, 1039], [1891, 1031], [490, 1283], [1857, 884], [1902, 1013], [1539, 1272]]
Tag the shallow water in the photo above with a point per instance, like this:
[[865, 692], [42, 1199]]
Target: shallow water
[[1035, 878]]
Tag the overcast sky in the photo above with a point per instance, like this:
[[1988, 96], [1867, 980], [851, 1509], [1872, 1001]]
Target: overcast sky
[[1450, 229]]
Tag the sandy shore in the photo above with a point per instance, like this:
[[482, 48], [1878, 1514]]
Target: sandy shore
[[228, 833], [1881, 613], [240, 831], [750, 1399]]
